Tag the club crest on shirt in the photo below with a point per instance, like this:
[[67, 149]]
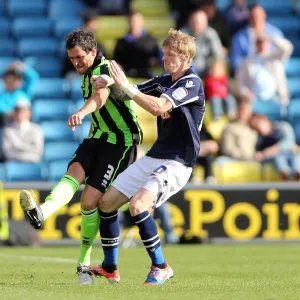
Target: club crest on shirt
[[180, 93]]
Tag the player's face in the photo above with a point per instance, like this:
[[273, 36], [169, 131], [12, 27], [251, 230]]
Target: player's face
[[172, 60], [81, 60]]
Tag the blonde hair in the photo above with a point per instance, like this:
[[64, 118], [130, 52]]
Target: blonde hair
[[180, 42]]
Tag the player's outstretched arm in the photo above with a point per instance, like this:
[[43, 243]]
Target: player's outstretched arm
[[154, 105], [95, 102]]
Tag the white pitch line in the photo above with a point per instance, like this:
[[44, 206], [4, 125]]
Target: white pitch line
[[39, 258]]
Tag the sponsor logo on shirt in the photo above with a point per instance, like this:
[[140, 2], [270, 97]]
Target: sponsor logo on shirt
[[180, 93], [189, 84]]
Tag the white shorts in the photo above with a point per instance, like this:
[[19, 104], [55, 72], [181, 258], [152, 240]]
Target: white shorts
[[161, 177]]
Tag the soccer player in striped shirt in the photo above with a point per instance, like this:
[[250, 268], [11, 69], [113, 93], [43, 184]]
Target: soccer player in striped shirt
[[109, 149]]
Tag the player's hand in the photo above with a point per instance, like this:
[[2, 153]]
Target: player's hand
[[117, 74], [102, 81], [75, 119]]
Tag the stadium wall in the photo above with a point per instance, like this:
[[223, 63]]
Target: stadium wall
[[236, 212]]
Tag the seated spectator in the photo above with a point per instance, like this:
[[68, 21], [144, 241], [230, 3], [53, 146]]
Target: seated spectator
[[113, 7], [19, 81], [22, 140], [92, 24], [243, 42], [181, 10], [238, 140], [208, 43], [208, 149], [216, 86], [277, 144], [217, 22], [265, 66], [237, 15], [138, 51]]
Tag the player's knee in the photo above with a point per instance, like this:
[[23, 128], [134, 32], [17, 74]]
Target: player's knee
[[136, 206], [104, 205], [89, 204]]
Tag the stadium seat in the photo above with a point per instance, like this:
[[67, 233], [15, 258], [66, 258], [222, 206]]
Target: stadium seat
[[82, 131], [57, 131], [223, 4], [272, 110], [151, 8], [17, 8], [47, 67], [22, 171], [2, 172], [57, 169], [7, 47], [293, 112], [24, 27], [294, 86], [2, 8], [59, 151], [60, 9], [37, 47], [292, 67], [64, 26], [4, 27], [296, 44], [297, 133], [1, 85], [52, 88], [286, 24], [237, 172], [43, 110], [5, 61], [276, 8], [76, 91]]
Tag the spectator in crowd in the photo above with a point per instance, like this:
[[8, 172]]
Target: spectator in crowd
[[138, 51], [243, 42], [105, 7], [237, 15], [208, 150], [91, 23], [277, 144], [216, 86], [238, 140], [22, 139], [209, 46], [265, 66], [181, 10], [19, 82], [218, 22]]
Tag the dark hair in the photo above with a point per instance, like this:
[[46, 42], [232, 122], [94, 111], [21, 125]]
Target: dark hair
[[134, 12], [253, 6], [83, 38], [88, 17], [13, 72]]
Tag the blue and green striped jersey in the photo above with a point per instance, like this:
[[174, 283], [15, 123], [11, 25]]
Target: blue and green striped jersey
[[116, 122]]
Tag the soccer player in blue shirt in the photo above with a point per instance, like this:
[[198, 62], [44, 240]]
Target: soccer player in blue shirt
[[177, 99]]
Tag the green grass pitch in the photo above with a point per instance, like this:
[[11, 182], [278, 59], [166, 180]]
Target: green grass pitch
[[201, 272]]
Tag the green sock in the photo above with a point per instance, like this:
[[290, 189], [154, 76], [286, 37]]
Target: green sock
[[61, 195], [89, 228]]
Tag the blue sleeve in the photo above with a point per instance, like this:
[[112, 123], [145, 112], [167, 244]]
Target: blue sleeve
[[185, 91], [148, 87], [30, 78]]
